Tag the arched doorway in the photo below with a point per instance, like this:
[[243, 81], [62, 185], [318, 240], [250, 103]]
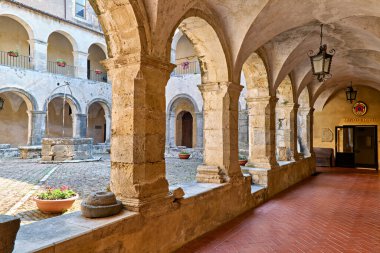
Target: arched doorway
[[57, 124], [95, 70], [60, 55], [14, 120], [96, 124], [185, 129]]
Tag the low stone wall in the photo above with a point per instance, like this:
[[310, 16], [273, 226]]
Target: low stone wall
[[30, 152], [101, 148], [203, 208], [7, 152]]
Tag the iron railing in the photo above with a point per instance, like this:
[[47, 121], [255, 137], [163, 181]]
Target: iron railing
[[97, 76], [65, 70], [15, 60], [186, 68]]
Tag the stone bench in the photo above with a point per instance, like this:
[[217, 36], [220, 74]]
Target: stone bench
[[30, 152]]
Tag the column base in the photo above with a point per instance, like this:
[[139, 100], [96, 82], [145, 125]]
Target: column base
[[150, 206], [210, 174]]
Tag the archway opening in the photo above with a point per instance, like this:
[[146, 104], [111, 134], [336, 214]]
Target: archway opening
[[14, 120], [59, 118], [185, 129], [60, 55], [95, 70], [14, 44], [96, 124]]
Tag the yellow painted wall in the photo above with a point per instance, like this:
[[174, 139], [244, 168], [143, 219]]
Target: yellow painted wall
[[13, 36], [338, 112]]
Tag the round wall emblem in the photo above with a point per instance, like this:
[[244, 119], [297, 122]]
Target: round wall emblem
[[359, 108]]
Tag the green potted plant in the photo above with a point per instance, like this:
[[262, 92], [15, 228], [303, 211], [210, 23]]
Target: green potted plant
[[13, 53], [184, 155], [242, 160], [55, 200], [61, 63]]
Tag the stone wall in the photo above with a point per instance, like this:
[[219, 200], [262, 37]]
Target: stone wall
[[203, 208]]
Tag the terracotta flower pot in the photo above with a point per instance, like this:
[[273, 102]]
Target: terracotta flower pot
[[98, 72], [55, 206], [12, 54], [61, 64], [184, 156], [243, 162]]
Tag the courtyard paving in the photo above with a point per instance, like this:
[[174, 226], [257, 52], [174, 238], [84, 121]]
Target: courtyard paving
[[20, 180]]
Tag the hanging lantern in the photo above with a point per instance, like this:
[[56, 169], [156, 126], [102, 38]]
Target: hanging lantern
[[321, 62], [1, 103], [351, 94]]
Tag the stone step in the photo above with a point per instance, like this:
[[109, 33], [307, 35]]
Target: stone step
[[5, 146]]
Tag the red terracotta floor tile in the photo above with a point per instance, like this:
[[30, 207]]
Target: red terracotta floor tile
[[336, 211]]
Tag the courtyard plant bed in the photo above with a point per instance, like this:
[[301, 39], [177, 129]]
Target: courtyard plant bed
[[55, 200], [183, 155], [61, 63], [13, 53], [242, 160]]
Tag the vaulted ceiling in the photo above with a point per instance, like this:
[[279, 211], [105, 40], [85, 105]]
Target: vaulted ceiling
[[282, 30]]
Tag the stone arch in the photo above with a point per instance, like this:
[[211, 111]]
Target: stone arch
[[22, 22], [256, 77], [209, 44], [104, 103], [71, 100], [303, 123], [96, 55], [69, 37], [15, 118], [177, 36], [98, 125], [30, 101], [123, 37], [179, 105]]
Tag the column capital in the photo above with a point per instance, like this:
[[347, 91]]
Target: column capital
[[36, 112], [138, 59], [81, 115]]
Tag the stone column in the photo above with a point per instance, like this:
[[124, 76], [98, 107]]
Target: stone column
[[107, 116], [262, 132], [138, 131], [36, 127], [310, 130], [38, 49], [199, 118], [243, 131], [80, 62], [293, 138], [170, 128], [79, 125], [221, 133], [303, 130]]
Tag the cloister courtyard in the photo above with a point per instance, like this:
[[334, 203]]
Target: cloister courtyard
[[21, 180]]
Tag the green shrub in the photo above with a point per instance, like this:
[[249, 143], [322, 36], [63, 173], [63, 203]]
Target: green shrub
[[64, 192], [242, 157], [184, 153]]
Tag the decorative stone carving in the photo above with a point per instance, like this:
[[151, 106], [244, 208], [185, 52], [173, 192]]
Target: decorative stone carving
[[327, 135], [101, 204], [9, 226]]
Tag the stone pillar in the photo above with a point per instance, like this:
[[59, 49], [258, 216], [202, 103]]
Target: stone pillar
[[310, 130], [138, 131], [79, 125], [303, 130], [293, 138], [80, 62], [262, 132], [199, 118], [170, 130], [36, 127], [38, 50], [243, 132], [107, 116], [221, 133]]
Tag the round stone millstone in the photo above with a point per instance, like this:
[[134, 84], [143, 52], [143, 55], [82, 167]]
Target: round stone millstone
[[101, 204]]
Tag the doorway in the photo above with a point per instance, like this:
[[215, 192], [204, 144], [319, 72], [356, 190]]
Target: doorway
[[187, 130], [356, 146]]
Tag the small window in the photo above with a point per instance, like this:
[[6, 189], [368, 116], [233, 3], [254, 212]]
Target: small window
[[80, 8]]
